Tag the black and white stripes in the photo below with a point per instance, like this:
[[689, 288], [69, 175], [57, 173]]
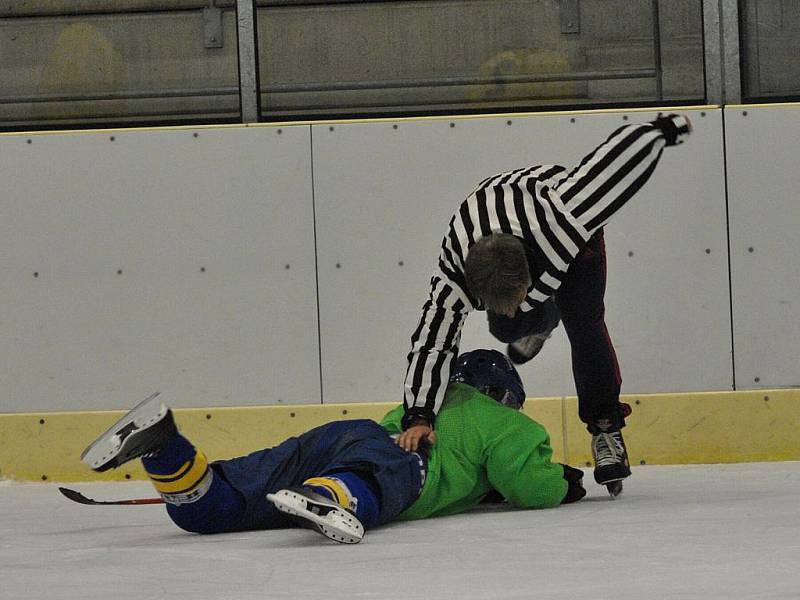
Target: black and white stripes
[[554, 212]]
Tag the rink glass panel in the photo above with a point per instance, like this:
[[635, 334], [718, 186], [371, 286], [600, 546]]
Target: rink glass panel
[[176, 60], [770, 32], [391, 58], [100, 64]]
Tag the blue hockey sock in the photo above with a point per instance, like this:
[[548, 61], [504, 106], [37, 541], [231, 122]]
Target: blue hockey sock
[[350, 491]]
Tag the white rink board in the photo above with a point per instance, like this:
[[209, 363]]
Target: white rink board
[[202, 228], [764, 205], [385, 195]]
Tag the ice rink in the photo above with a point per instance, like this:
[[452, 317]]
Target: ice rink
[[677, 532]]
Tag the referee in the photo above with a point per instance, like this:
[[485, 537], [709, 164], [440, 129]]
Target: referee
[[527, 247]]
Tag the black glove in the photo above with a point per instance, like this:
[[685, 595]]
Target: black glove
[[668, 127], [575, 489]]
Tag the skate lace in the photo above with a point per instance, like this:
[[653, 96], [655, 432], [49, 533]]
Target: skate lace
[[607, 449]]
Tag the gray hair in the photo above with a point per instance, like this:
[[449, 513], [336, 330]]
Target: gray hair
[[497, 270]]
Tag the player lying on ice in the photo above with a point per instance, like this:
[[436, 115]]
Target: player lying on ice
[[347, 476]]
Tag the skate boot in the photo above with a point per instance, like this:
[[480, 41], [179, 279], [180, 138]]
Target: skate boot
[[610, 460], [142, 431], [320, 513]]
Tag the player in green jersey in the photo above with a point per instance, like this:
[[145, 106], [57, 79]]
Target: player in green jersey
[[484, 443]]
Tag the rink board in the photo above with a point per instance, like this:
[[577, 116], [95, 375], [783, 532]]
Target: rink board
[[707, 427], [763, 216], [287, 263], [179, 260]]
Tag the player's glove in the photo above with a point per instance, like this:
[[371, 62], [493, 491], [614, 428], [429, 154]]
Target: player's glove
[[575, 489]]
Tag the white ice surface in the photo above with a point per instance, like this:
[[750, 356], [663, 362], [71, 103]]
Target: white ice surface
[[682, 532]]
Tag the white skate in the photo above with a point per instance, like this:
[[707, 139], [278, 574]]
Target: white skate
[[324, 515]]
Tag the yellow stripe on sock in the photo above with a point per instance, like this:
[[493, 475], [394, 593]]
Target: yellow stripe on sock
[[173, 476], [183, 483], [339, 492]]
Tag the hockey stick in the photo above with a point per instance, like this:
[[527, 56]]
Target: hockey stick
[[81, 499]]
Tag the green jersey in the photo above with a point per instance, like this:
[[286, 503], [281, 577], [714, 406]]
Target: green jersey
[[482, 445]]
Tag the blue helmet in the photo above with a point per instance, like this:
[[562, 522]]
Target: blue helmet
[[491, 373]]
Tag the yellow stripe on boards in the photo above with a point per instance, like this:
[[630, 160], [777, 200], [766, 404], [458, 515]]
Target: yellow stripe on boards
[[673, 428]]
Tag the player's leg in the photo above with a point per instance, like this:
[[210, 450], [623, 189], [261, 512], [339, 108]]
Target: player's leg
[[594, 362], [525, 332], [355, 478], [198, 498]]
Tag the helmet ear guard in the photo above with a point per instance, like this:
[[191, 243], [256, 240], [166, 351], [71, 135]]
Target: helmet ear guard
[[491, 373]]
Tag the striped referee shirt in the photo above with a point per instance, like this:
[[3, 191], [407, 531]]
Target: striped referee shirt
[[554, 211]]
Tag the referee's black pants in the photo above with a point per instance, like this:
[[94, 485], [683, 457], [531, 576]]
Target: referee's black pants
[[579, 301]]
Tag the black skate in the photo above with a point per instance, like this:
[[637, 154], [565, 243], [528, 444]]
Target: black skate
[[143, 430], [320, 513], [610, 460]]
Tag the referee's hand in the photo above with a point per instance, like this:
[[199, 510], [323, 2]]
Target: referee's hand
[[410, 439]]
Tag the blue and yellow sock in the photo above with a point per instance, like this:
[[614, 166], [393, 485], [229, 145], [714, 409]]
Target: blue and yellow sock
[[198, 499], [179, 472], [350, 491]]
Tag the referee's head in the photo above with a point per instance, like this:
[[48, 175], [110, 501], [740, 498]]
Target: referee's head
[[497, 273]]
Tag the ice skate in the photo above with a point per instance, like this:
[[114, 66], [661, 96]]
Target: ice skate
[[143, 430], [610, 460], [326, 516]]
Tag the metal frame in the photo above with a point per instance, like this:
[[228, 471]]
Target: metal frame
[[379, 84], [337, 86], [659, 76], [570, 13], [712, 49], [722, 54], [731, 53], [248, 60]]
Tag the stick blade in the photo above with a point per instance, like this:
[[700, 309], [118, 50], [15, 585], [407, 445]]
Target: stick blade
[[76, 496], [81, 499]]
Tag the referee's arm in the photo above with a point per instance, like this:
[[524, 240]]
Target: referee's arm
[[612, 173], [434, 346]]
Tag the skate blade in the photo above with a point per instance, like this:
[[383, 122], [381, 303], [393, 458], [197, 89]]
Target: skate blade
[[614, 488], [99, 454], [338, 525]]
